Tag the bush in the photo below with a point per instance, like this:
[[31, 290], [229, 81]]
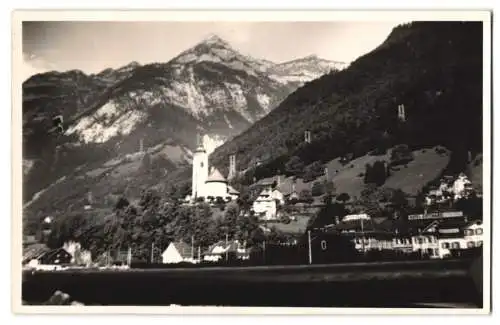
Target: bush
[[440, 150], [317, 189], [294, 166], [401, 154], [343, 197], [376, 174], [313, 171]]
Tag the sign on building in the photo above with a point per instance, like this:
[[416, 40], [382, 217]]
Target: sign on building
[[436, 215]]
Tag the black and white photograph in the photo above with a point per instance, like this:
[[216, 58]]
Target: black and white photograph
[[252, 161]]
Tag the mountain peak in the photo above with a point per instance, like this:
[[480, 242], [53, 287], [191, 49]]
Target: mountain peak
[[213, 39]]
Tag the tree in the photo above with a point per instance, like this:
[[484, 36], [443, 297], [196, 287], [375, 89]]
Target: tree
[[317, 189], [375, 174], [122, 203], [401, 154], [327, 215], [313, 171], [329, 188], [343, 197], [305, 196], [294, 167]]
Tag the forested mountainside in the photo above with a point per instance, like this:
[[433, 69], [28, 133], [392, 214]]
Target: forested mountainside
[[434, 69]]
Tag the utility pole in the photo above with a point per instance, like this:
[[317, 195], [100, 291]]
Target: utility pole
[[363, 236], [192, 247], [152, 252], [309, 244], [129, 256], [264, 251], [199, 253], [227, 247]]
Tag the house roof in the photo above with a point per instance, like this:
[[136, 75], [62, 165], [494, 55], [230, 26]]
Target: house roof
[[183, 248], [221, 247], [34, 251], [216, 176], [48, 255]]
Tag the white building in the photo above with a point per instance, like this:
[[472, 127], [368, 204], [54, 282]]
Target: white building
[[266, 204], [78, 254], [461, 187], [351, 217], [219, 250], [178, 252], [205, 185], [473, 234]]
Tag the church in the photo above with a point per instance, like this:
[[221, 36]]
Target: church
[[205, 184]]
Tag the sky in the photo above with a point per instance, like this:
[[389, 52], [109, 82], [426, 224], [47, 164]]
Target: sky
[[95, 46]]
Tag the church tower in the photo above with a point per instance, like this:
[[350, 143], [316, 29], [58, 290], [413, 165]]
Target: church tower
[[200, 170]]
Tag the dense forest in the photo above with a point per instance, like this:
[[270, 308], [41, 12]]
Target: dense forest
[[434, 69]]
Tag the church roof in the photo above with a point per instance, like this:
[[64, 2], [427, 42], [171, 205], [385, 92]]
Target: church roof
[[216, 176]]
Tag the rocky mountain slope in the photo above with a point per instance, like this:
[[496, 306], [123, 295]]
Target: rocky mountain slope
[[209, 89]]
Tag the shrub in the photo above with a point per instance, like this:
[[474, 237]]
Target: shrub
[[401, 154], [317, 189]]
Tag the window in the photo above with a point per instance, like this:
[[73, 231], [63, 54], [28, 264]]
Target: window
[[445, 245], [430, 239], [470, 244], [420, 241], [455, 245], [436, 253], [469, 232], [479, 231], [479, 243]]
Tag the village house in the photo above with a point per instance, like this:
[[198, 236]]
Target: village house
[[51, 258], [435, 234], [221, 249], [473, 234], [267, 203], [366, 233], [178, 252]]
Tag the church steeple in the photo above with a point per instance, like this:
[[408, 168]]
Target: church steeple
[[199, 143], [200, 169]]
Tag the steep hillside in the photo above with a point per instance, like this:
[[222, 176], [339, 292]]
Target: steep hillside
[[434, 69]]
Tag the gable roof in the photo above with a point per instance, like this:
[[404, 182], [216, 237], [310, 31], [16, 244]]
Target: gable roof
[[183, 249], [49, 255], [34, 251], [221, 247], [216, 176]]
